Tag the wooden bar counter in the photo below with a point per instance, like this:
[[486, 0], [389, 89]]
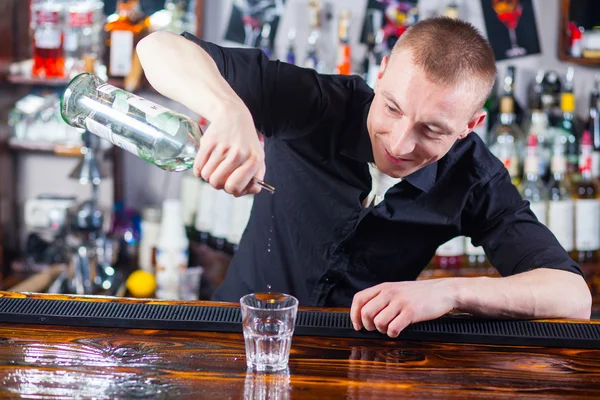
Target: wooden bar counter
[[49, 361]]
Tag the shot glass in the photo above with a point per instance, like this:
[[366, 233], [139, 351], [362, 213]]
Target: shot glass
[[268, 321]]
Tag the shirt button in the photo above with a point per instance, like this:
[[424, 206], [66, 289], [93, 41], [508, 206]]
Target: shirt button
[[327, 280]]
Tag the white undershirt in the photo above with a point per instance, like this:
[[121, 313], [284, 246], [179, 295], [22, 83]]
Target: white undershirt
[[381, 184]]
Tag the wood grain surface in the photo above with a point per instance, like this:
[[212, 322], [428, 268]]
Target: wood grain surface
[[43, 361]]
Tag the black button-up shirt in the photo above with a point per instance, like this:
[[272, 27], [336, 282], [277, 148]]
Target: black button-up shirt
[[313, 238]]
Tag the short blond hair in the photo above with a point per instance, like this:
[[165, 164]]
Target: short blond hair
[[451, 52]]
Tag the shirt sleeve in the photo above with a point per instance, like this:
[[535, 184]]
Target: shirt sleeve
[[513, 239], [282, 98]]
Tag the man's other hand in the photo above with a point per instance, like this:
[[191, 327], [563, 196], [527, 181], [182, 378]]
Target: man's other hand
[[390, 307]]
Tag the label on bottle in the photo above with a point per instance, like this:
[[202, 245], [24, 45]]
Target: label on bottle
[[512, 165], [171, 263], [106, 88], [587, 224], [596, 164], [106, 133], [560, 222], [71, 42], [125, 144], [558, 164], [539, 209], [471, 250], [81, 19], [98, 129], [121, 53], [452, 248], [146, 106], [567, 102], [47, 38]]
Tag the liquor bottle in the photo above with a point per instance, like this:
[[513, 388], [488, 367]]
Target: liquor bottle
[[344, 61], [240, 214], [538, 126], [533, 188], [587, 208], [567, 128], [450, 255], [506, 139], [560, 205], [124, 29], [80, 39], [594, 128], [48, 39], [172, 252], [475, 256], [163, 137], [172, 18]]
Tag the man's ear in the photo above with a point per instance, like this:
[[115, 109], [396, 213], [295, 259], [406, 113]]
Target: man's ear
[[477, 120]]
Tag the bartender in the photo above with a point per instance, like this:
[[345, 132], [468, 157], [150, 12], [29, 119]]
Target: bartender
[[368, 182]]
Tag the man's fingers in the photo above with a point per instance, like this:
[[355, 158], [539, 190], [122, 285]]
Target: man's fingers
[[206, 148], [386, 316], [399, 323], [371, 309], [239, 180], [216, 158], [359, 300]]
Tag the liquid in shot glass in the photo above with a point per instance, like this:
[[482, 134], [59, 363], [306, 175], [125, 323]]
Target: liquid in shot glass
[[268, 321]]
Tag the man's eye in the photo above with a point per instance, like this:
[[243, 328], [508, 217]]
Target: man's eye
[[392, 109]]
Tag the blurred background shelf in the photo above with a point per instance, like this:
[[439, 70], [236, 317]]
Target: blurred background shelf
[[44, 147], [29, 80]]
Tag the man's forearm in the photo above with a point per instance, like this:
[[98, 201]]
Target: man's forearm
[[182, 71], [540, 293]]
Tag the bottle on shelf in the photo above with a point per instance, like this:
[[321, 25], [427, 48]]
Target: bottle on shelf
[[532, 188], [506, 139], [47, 38], [158, 135], [450, 255], [587, 208], [344, 60], [538, 126], [240, 214], [204, 222], [172, 252], [189, 193], [221, 214], [265, 39], [149, 235], [560, 216], [123, 30], [567, 129], [81, 38], [594, 128], [475, 255]]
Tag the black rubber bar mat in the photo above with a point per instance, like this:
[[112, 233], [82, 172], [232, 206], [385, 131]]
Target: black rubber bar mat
[[311, 323]]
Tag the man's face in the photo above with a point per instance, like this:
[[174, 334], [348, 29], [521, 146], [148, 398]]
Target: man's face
[[412, 121]]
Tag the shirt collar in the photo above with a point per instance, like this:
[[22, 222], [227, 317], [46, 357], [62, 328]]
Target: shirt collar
[[356, 144]]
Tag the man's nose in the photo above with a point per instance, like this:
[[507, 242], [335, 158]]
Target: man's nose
[[402, 139]]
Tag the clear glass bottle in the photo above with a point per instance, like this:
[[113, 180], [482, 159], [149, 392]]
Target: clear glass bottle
[[532, 188], [163, 137], [507, 140], [560, 204], [567, 128], [594, 128], [587, 208]]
